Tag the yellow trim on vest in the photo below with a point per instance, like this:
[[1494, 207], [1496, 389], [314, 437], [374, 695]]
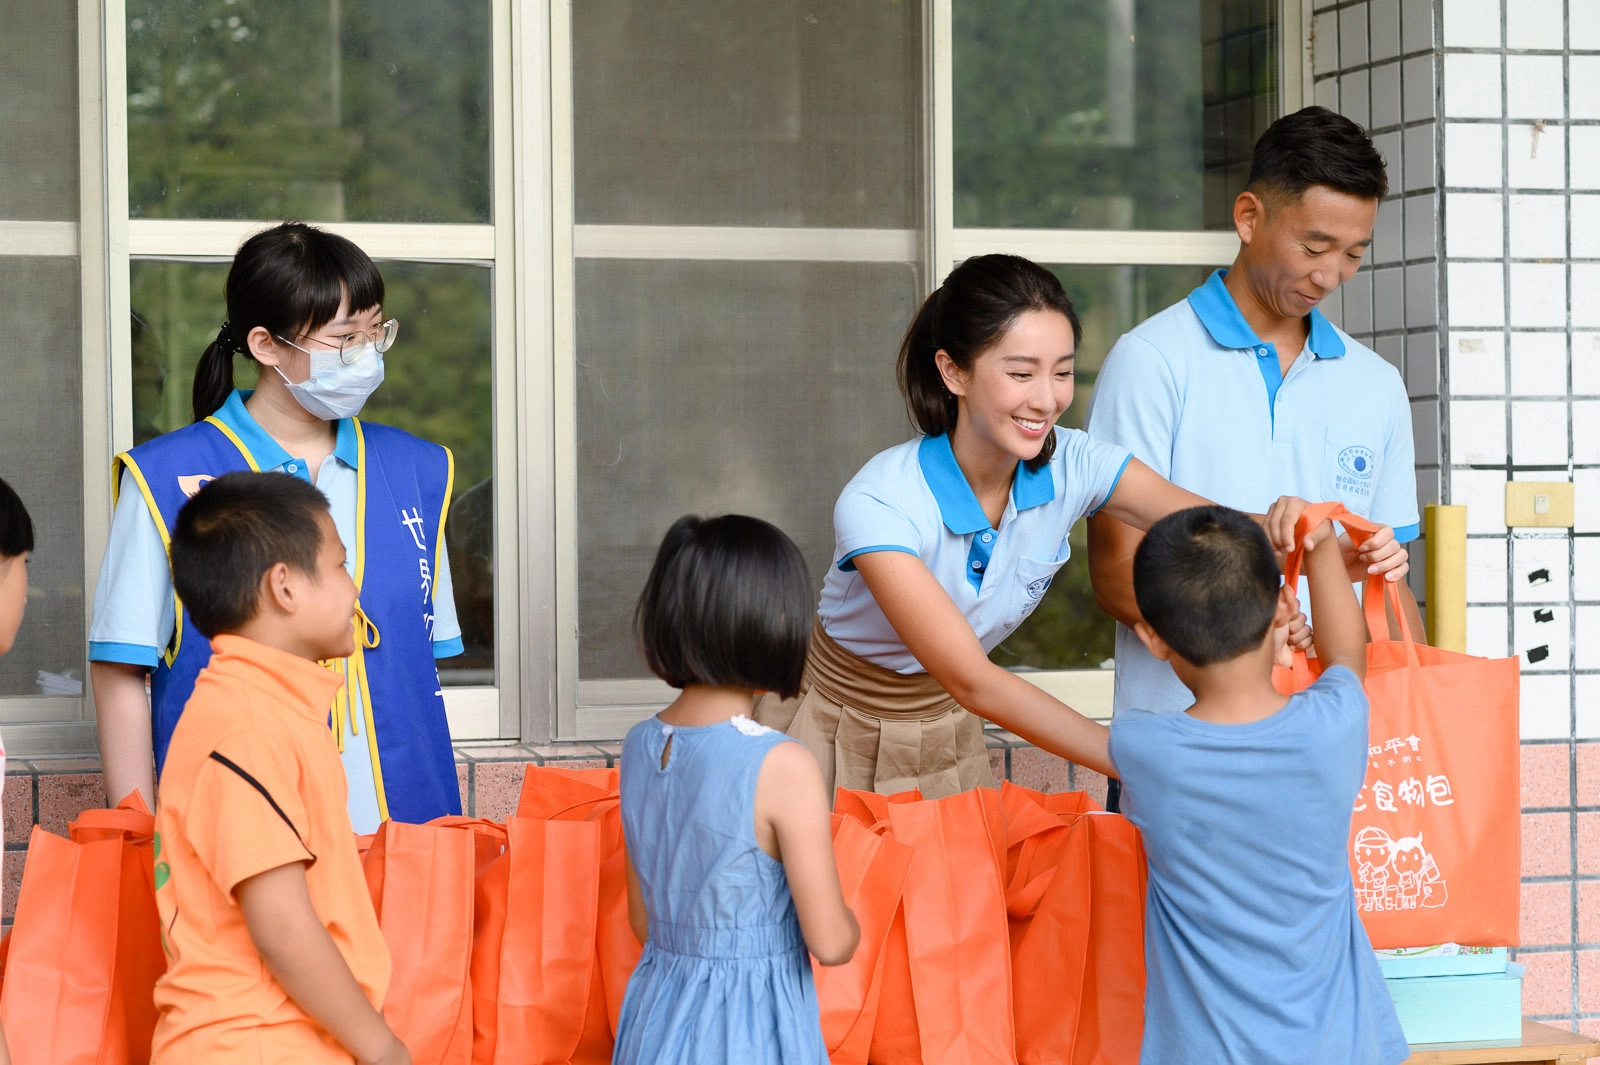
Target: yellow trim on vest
[[372, 732], [234, 437], [359, 659], [125, 459], [444, 512], [361, 503]]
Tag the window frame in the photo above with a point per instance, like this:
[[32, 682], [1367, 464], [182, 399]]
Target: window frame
[[604, 709], [532, 245]]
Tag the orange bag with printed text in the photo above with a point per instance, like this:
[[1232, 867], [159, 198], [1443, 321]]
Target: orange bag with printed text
[[1435, 840], [85, 947]]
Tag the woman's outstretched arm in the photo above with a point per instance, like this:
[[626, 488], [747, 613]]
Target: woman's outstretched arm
[[939, 636]]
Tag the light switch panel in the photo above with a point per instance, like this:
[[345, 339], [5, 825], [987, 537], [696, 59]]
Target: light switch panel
[[1539, 504]]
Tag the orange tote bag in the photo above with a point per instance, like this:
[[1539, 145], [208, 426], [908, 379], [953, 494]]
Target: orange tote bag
[[421, 881], [1075, 898], [956, 939], [553, 793], [546, 987], [1435, 837], [872, 872], [86, 944]]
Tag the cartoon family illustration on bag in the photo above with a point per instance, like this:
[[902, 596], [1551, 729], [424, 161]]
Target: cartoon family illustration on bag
[[1396, 874]]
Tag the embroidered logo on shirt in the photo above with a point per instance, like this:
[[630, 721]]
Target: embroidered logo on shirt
[[193, 483], [1357, 461], [1037, 589]]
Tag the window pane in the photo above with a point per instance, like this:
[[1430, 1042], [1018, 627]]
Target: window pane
[[39, 120], [41, 456], [707, 388], [725, 112], [438, 382], [1067, 630], [340, 110], [1107, 114]]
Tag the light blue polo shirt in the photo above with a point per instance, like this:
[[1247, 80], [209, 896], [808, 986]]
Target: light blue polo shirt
[[133, 615], [914, 498], [1197, 396]]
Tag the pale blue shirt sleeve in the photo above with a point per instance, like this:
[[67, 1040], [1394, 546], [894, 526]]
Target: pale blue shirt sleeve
[[1136, 403], [133, 616], [1093, 468], [867, 518], [446, 627], [1394, 499]]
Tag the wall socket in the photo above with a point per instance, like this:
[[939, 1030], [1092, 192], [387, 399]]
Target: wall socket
[[1539, 504]]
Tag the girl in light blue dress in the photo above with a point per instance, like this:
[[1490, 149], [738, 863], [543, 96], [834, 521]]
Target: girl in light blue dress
[[732, 885]]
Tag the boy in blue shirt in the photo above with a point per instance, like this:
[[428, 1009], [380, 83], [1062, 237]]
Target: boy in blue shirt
[[1254, 951]]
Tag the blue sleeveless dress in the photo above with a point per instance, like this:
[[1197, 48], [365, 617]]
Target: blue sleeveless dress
[[725, 975]]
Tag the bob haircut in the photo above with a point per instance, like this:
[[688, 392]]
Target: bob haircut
[[231, 532], [728, 603], [1316, 146], [1206, 581], [966, 316], [289, 280], [16, 527]]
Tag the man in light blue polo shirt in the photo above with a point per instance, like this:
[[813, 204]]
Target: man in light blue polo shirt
[[1245, 392]]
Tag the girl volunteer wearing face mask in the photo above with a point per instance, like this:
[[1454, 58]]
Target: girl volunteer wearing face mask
[[308, 307]]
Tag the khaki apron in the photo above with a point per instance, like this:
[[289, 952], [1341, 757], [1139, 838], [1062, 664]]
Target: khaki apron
[[877, 730]]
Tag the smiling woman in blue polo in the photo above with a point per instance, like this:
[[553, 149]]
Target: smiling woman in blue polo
[[946, 543]]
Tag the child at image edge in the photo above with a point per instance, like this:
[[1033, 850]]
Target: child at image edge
[[1254, 952], [274, 953], [731, 877], [16, 543]]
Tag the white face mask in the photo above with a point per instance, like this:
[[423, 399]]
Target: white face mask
[[335, 390]]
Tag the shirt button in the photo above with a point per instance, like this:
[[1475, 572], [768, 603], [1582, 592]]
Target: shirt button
[[977, 565], [1261, 351], [292, 468], [987, 537]]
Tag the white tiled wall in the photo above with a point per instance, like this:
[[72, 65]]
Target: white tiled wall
[[1520, 252], [1374, 61]]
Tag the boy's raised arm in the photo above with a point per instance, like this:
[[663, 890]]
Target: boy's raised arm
[[303, 958], [1340, 633]]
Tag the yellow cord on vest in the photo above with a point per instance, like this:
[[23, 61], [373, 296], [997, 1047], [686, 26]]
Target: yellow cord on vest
[[344, 715]]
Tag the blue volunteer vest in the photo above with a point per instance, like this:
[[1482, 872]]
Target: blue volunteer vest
[[404, 489]]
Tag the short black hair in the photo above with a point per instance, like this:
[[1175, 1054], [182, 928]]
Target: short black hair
[[728, 602], [1316, 146], [231, 532], [16, 527], [1206, 581]]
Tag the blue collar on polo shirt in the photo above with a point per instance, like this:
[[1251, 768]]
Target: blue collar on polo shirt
[[958, 506], [1213, 304], [268, 454]]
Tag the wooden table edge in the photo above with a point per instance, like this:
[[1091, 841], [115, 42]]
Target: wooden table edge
[[1539, 1042]]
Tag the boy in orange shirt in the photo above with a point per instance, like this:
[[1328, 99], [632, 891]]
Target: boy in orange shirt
[[274, 953]]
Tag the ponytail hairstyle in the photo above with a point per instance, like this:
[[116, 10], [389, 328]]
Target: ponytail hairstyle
[[966, 316], [289, 280]]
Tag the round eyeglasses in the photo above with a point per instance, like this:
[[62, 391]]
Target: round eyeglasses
[[351, 346]]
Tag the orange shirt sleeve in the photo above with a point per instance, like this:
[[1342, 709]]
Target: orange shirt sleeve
[[246, 812]]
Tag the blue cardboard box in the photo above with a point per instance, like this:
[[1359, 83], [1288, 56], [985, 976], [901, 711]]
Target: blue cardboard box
[[1456, 1009], [1443, 959]]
